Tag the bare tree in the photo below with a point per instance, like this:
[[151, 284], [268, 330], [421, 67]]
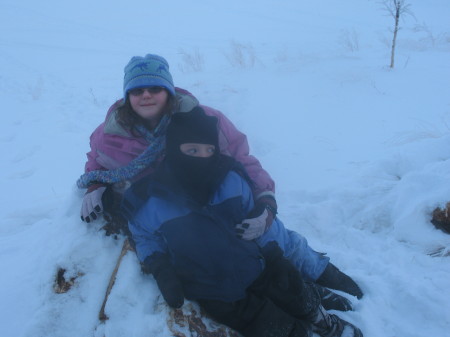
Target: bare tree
[[396, 8]]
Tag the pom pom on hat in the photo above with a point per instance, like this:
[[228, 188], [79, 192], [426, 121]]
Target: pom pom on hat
[[149, 71]]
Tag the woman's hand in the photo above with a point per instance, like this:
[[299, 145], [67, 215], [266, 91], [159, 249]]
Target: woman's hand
[[259, 220], [92, 203]]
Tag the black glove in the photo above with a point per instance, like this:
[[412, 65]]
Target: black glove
[[279, 269], [285, 285], [164, 273], [259, 220]]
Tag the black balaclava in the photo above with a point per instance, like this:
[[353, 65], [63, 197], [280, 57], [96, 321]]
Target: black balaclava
[[195, 174]]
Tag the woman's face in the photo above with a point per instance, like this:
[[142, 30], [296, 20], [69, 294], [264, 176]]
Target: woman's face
[[149, 102]]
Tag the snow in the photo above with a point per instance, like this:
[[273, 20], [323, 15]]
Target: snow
[[360, 152]]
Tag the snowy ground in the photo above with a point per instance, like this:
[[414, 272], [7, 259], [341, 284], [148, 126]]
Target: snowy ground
[[360, 152]]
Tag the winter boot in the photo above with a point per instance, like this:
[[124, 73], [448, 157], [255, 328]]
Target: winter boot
[[333, 278], [328, 325], [333, 301]]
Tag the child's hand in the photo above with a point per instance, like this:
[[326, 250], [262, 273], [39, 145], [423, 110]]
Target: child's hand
[[168, 282]]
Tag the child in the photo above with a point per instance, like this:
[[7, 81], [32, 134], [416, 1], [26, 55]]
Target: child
[[185, 236], [129, 144]]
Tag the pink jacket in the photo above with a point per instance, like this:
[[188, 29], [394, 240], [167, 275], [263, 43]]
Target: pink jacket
[[112, 146]]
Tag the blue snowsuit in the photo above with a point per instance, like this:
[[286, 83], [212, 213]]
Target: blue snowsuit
[[210, 260], [310, 263], [197, 238]]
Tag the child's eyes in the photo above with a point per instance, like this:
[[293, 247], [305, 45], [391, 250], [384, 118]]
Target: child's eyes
[[194, 150]]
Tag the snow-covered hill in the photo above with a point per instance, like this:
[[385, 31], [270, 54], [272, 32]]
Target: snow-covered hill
[[360, 152]]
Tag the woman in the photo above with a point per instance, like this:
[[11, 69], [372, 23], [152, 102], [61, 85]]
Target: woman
[[185, 236], [130, 144]]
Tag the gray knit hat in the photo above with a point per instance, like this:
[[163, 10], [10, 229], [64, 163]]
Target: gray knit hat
[[151, 70]]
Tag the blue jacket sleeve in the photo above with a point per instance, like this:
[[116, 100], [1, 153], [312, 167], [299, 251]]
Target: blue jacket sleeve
[[247, 196], [146, 235]]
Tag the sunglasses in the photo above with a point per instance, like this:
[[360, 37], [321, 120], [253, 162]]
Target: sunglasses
[[140, 91]]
